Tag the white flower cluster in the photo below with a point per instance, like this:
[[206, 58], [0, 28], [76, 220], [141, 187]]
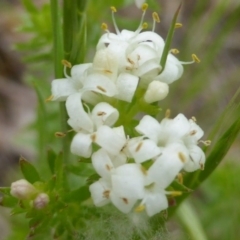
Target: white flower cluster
[[124, 62]]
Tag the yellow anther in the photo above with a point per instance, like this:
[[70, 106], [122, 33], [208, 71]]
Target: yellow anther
[[140, 208], [113, 9], [144, 7], [194, 119], [175, 193], [202, 166], [104, 26], [182, 157], [206, 143], [178, 25], [66, 63], [180, 178], [174, 51], [60, 134], [155, 17], [168, 113], [144, 25], [195, 58], [144, 171], [49, 98]]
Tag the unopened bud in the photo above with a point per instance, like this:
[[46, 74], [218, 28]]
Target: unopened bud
[[41, 201], [156, 91], [22, 189]]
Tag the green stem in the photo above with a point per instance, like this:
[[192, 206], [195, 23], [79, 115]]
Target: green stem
[[58, 68], [190, 221]]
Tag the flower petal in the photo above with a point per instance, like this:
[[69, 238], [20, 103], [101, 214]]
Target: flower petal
[[102, 163], [149, 127], [79, 119], [126, 86], [82, 145], [142, 150], [128, 181], [109, 140], [79, 71], [99, 192], [62, 88], [104, 114]]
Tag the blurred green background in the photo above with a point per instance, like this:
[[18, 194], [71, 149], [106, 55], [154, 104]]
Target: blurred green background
[[211, 29]]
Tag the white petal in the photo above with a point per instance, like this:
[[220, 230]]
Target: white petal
[[150, 127], [150, 69], [155, 39], [128, 181], [91, 97], [123, 204], [173, 70], [97, 190], [195, 128], [62, 88], [197, 159], [143, 150], [99, 83], [82, 145], [168, 165], [79, 72], [102, 163], [126, 86], [119, 159], [156, 91], [155, 203], [109, 140], [104, 114], [139, 3], [106, 39], [79, 119]]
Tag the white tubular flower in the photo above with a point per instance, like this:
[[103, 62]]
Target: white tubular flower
[[23, 190], [99, 131], [156, 91], [139, 3], [181, 136], [122, 185]]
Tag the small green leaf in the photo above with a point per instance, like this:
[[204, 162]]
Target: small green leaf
[[8, 201], [169, 39], [5, 190], [180, 187], [78, 195], [30, 7], [29, 171]]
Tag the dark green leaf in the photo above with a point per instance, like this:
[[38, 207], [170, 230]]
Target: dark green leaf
[[51, 158], [29, 171]]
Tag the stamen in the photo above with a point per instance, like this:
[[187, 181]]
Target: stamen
[[93, 137], [101, 89], [167, 113], [193, 132], [104, 27], [125, 200], [182, 157], [60, 134], [66, 63], [140, 208], [106, 194], [180, 178], [178, 25], [206, 143], [194, 119], [174, 51], [175, 193], [141, 25], [155, 19], [195, 58], [50, 98], [202, 166], [113, 19], [144, 25], [138, 146]]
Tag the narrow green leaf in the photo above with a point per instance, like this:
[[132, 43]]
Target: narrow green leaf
[[169, 39], [180, 187], [29, 171], [5, 190], [51, 158]]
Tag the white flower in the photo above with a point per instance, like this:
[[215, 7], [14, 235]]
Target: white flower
[[122, 185], [22, 189], [178, 130], [154, 200], [99, 131], [139, 3]]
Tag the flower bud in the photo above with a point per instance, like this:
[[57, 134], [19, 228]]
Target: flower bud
[[41, 201], [22, 189], [156, 91]]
